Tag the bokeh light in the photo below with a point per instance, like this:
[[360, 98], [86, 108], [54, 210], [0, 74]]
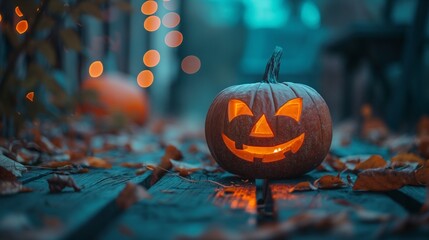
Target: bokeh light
[[173, 39], [152, 23], [145, 78], [171, 20], [22, 26], [1, 17], [30, 96], [18, 12], [170, 5], [191, 64], [149, 7], [151, 58], [95, 69]]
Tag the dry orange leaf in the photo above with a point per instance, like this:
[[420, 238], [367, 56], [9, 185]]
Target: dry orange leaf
[[132, 165], [131, 194], [403, 159], [375, 161], [302, 186], [383, 179], [98, 163], [332, 163], [57, 164], [329, 182], [58, 182], [173, 152]]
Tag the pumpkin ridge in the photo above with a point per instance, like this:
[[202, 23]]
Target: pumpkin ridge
[[274, 101], [252, 100], [308, 91], [312, 90]]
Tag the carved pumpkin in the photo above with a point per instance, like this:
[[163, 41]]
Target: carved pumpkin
[[116, 94], [269, 129]]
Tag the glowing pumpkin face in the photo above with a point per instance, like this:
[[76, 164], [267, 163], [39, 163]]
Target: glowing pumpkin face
[[269, 129], [262, 129]]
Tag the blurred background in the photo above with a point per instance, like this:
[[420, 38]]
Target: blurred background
[[182, 53]]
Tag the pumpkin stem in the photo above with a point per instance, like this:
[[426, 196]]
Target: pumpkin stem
[[273, 66]]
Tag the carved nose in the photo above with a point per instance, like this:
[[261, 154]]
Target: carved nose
[[261, 128]]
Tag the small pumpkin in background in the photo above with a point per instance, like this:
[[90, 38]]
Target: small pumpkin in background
[[113, 94], [269, 130]]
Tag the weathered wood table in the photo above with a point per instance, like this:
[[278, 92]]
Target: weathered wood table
[[198, 208]]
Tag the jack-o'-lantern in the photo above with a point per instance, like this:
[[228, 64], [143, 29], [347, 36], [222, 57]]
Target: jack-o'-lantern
[[115, 94], [269, 129]]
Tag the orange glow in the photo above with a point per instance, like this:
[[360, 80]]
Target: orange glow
[[173, 39], [152, 23], [267, 154], [170, 5], [237, 108], [151, 58], [237, 197], [1, 17], [291, 108], [145, 78], [171, 20], [261, 128], [95, 69], [149, 7], [22, 26], [191, 64], [18, 12], [30, 96]]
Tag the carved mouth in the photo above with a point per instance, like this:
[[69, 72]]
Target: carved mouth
[[267, 154]]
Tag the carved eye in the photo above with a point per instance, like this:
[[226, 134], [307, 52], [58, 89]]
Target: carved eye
[[237, 108], [291, 108]]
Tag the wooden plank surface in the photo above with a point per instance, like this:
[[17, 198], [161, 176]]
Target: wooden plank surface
[[333, 202], [181, 208], [55, 215]]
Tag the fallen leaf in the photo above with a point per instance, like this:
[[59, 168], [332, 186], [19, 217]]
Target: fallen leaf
[[332, 163], [173, 152], [98, 163], [14, 167], [329, 182], [375, 161], [12, 187], [130, 195], [183, 166], [132, 165], [383, 179], [404, 159], [57, 164], [302, 186], [140, 171], [58, 182], [6, 175]]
